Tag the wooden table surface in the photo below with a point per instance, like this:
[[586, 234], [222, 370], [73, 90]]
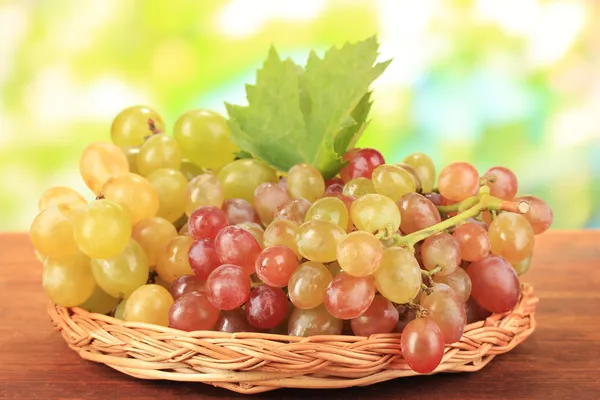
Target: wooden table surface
[[561, 360]]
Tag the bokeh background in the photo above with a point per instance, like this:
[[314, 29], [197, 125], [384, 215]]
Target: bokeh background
[[512, 82]]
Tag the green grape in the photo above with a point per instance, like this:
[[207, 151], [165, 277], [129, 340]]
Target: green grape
[[307, 285], [398, 277], [149, 304], [51, 232], [318, 240], [120, 275], [120, 310], [359, 253], [359, 187], [205, 138], [159, 151], [134, 193], [132, 125], [522, 266], [281, 232], [191, 170], [392, 181], [132, 155], [329, 209], [425, 169], [68, 281], [313, 322], [173, 261], [240, 178], [99, 302], [100, 161], [170, 185], [60, 195], [374, 212], [305, 182], [153, 234], [203, 190]]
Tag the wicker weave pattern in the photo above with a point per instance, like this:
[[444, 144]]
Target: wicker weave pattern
[[255, 362]]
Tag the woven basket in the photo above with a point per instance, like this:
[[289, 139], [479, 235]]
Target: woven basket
[[256, 362]]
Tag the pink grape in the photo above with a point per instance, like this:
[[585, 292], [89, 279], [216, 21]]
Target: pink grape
[[446, 310], [502, 182], [422, 345], [228, 287], [186, 284], [267, 198], [233, 321], [495, 284], [361, 163], [458, 181], [238, 211], [540, 214], [267, 307], [380, 317], [348, 296], [237, 246], [293, 211], [193, 312], [203, 258], [206, 222], [473, 241], [441, 250], [275, 265], [417, 213], [475, 312], [459, 281]]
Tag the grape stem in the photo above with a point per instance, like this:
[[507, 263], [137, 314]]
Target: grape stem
[[433, 271]]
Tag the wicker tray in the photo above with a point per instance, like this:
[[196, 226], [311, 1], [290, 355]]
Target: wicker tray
[[255, 362]]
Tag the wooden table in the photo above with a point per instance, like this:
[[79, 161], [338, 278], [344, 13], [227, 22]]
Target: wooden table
[[561, 360]]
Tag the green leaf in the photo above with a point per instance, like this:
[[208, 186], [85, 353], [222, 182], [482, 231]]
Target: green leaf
[[349, 135]]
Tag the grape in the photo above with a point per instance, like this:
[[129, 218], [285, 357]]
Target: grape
[[99, 161], [170, 185], [68, 281], [417, 212], [282, 327], [435, 198], [359, 253], [305, 182], [413, 174], [132, 155], [238, 211], [205, 138], [405, 315], [502, 182], [203, 190], [240, 178], [233, 321], [149, 304], [361, 163], [495, 284], [359, 187], [425, 169], [374, 212], [191, 170], [441, 250], [173, 262], [446, 309], [203, 258], [275, 265], [380, 317], [186, 284], [102, 229], [398, 277], [134, 193], [60, 195], [318, 240], [540, 215], [334, 185], [153, 234], [255, 229], [458, 281], [392, 181], [422, 345], [99, 302], [348, 296], [193, 312], [132, 125], [267, 307], [237, 246], [307, 285], [267, 198], [281, 233], [316, 321], [458, 181], [159, 151], [206, 222], [511, 236], [522, 266], [475, 312], [52, 234], [473, 241], [333, 181], [228, 287], [329, 209], [120, 310], [294, 211], [120, 275]]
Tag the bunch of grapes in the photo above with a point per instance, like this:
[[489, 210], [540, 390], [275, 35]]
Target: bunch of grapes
[[182, 234]]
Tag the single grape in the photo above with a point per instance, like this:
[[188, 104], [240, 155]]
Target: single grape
[[191, 170], [475, 312], [233, 321], [393, 182], [305, 182], [99, 302], [60, 195], [120, 310], [435, 198], [159, 151], [334, 185], [374, 212], [422, 345], [359, 253], [228, 287], [458, 181], [405, 315], [358, 187], [473, 241], [238, 211], [256, 230], [206, 222], [316, 321], [294, 211], [100, 161], [318, 240], [134, 193], [204, 190], [203, 258], [348, 296], [120, 275], [398, 277], [237, 246], [380, 317], [240, 178], [51, 232], [446, 309], [68, 281], [495, 284], [275, 265], [511, 236], [281, 233], [153, 234], [414, 175], [149, 304], [329, 209], [522, 266], [502, 182], [170, 185], [441, 250], [540, 215], [458, 281], [132, 155], [425, 169], [360, 163], [174, 262], [132, 125], [267, 307], [268, 197], [186, 284], [417, 212], [193, 312], [333, 181], [307, 285]]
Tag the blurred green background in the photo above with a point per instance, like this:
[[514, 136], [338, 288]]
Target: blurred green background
[[513, 82]]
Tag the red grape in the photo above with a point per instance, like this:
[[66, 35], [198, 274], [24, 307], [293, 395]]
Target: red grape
[[206, 222], [193, 312], [473, 241], [348, 296], [237, 246], [228, 287], [458, 181], [441, 250], [186, 284], [233, 321], [540, 214], [267, 307], [417, 213], [361, 163], [275, 265], [446, 310], [495, 284], [238, 211], [203, 258], [502, 182], [475, 312], [334, 185], [422, 345], [380, 317]]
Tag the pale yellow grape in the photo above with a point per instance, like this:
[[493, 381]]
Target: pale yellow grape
[[173, 262], [159, 151], [132, 125], [375, 212], [240, 178], [120, 310], [358, 187], [392, 181], [398, 277], [329, 209], [205, 138], [425, 169], [100, 161], [41, 258], [51, 232], [149, 304], [68, 281], [255, 229], [191, 170], [119, 276], [170, 185], [60, 195], [359, 253], [134, 193], [318, 240], [203, 190], [282, 232], [153, 234], [132, 155], [100, 302], [305, 182]]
